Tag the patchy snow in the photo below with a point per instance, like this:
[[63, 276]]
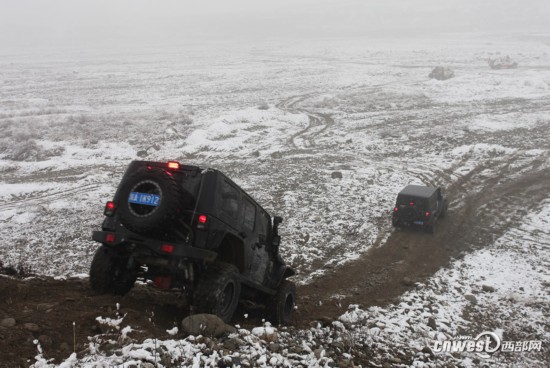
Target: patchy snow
[[173, 331], [280, 121], [402, 333], [515, 265]]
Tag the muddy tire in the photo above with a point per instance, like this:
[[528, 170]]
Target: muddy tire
[[218, 291], [430, 229], [142, 218], [110, 273], [444, 210], [282, 304]]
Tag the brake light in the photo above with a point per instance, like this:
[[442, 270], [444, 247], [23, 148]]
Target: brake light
[[173, 165], [202, 219], [395, 209], [427, 214], [167, 248], [110, 238], [110, 208], [411, 203]]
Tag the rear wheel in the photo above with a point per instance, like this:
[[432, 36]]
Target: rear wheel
[[444, 210], [430, 228], [218, 291], [111, 273], [282, 304]]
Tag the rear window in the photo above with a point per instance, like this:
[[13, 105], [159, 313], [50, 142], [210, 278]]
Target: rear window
[[190, 185], [406, 200]]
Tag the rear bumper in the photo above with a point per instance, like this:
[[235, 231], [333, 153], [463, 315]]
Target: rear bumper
[[142, 246], [402, 223]]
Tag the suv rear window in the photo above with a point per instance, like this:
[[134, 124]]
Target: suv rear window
[[406, 200], [190, 185]]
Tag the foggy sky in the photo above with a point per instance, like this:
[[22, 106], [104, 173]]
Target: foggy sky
[[85, 23]]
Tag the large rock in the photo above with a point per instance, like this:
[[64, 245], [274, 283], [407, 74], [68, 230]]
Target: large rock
[[206, 325], [442, 73]]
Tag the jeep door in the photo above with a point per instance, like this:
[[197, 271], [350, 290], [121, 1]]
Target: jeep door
[[255, 239]]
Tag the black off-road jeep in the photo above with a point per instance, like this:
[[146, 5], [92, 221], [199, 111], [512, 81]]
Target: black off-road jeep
[[419, 205], [184, 227]]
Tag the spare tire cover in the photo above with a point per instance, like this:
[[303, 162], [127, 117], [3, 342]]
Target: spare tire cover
[[409, 214], [149, 200]]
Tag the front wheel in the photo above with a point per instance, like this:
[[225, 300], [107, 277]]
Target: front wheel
[[218, 291], [282, 306], [111, 273]]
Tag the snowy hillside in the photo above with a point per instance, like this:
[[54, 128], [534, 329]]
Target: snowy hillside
[[284, 121]]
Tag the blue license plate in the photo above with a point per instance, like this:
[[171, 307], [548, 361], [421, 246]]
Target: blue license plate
[[144, 198], [418, 222]]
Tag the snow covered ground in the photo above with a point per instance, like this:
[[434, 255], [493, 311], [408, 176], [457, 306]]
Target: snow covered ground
[[280, 119], [71, 123], [502, 289]]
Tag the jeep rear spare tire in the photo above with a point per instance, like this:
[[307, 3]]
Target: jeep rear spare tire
[[150, 200], [409, 214]]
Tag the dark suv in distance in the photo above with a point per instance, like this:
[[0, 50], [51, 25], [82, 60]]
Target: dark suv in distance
[[419, 205], [193, 229]]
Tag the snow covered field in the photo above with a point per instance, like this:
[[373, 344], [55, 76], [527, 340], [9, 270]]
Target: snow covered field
[[502, 288], [280, 119]]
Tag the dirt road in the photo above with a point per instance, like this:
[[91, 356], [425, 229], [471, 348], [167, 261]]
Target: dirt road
[[385, 272]]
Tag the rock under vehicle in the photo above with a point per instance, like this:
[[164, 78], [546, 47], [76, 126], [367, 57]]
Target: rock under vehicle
[[419, 205], [195, 230]]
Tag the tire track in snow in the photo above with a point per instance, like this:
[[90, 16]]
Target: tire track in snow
[[47, 198], [318, 123]]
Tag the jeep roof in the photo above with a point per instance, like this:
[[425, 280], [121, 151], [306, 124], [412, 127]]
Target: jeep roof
[[418, 191]]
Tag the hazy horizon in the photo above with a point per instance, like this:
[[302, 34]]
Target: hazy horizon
[[60, 23]]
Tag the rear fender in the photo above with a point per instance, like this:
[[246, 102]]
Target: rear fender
[[283, 273], [231, 250]]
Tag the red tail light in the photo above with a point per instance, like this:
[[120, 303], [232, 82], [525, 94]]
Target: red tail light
[[427, 214], [110, 208], [202, 219], [110, 238], [411, 203], [395, 209], [167, 248], [173, 165]]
